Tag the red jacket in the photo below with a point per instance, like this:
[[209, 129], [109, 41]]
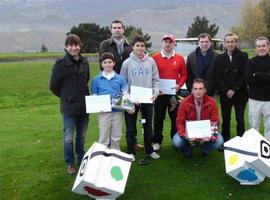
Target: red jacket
[[172, 68], [187, 112]]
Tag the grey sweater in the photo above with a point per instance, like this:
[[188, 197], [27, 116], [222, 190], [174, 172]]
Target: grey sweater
[[141, 72]]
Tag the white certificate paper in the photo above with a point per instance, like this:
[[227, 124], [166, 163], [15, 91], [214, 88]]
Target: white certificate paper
[[141, 94], [198, 129], [98, 103], [167, 86]]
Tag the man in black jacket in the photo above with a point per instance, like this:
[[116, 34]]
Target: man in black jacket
[[230, 67], [258, 79], [200, 64], [69, 82]]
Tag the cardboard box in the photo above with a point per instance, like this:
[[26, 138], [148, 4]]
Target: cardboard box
[[103, 173]]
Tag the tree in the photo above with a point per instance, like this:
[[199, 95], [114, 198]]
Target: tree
[[44, 48], [131, 31], [265, 7], [201, 25], [91, 35], [252, 23]]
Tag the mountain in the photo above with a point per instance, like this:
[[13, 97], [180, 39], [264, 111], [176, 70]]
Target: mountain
[[26, 24]]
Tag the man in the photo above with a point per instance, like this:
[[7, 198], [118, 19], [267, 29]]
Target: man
[[141, 70], [69, 82], [258, 78], [197, 106], [230, 67], [119, 46], [200, 64], [170, 66]]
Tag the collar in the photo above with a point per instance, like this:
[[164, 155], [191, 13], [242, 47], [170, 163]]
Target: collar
[[108, 76], [126, 42], [165, 56], [198, 103]]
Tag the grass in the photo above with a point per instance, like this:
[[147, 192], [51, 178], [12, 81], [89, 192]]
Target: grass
[[31, 155], [35, 55]]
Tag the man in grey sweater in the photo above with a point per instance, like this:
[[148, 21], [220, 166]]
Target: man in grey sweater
[[141, 70]]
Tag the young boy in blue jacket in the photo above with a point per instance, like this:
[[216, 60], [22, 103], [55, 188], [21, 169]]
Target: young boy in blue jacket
[[109, 82]]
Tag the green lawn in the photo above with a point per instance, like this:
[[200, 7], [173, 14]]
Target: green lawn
[[34, 55], [31, 155]]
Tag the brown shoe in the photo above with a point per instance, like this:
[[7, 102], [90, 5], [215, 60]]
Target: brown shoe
[[138, 146], [71, 170]]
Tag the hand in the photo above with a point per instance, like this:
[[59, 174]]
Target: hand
[[131, 111], [177, 88], [230, 94], [160, 93], [206, 139], [153, 98]]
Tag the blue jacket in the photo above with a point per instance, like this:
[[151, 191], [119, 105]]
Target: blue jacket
[[115, 87]]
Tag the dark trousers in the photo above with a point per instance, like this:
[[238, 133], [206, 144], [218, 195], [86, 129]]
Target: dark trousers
[[162, 103], [131, 129], [226, 108]]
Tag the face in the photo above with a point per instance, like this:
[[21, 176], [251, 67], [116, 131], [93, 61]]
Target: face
[[204, 44], [73, 49], [117, 30], [198, 90], [138, 49], [167, 45], [230, 43], [107, 65], [262, 48]]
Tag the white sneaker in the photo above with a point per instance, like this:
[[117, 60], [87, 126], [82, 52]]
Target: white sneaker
[[154, 155], [156, 146], [133, 157]]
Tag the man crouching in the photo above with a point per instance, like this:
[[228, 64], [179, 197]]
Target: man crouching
[[197, 106]]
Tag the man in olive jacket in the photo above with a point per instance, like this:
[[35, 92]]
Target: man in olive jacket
[[117, 44], [230, 68], [69, 82]]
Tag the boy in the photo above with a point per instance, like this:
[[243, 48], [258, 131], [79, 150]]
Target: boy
[[141, 70], [109, 82], [69, 82]]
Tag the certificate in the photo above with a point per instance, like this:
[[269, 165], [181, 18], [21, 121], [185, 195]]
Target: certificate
[[167, 86], [141, 94], [198, 129], [98, 103]]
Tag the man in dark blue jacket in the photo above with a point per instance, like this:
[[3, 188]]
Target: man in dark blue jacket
[[200, 64], [230, 68], [69, 82]]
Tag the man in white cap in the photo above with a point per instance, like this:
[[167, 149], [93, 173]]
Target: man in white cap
[[170, 66]]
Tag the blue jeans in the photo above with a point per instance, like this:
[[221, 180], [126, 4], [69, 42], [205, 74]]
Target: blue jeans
[[184, 146], [131, 129], [72, 123]]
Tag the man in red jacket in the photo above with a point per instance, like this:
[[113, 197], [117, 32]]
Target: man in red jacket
[[197, 106]]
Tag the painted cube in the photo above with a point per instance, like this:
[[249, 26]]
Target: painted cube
[[103, 173], [247, 158]]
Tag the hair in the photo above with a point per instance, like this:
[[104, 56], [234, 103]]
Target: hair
[[231, 35], [261, 38], [116, 21], [106, 55], [204, 35], [138, 38], [198, 80], [73, 39]]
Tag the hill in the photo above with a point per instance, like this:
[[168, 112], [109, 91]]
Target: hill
[[26, 24]]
